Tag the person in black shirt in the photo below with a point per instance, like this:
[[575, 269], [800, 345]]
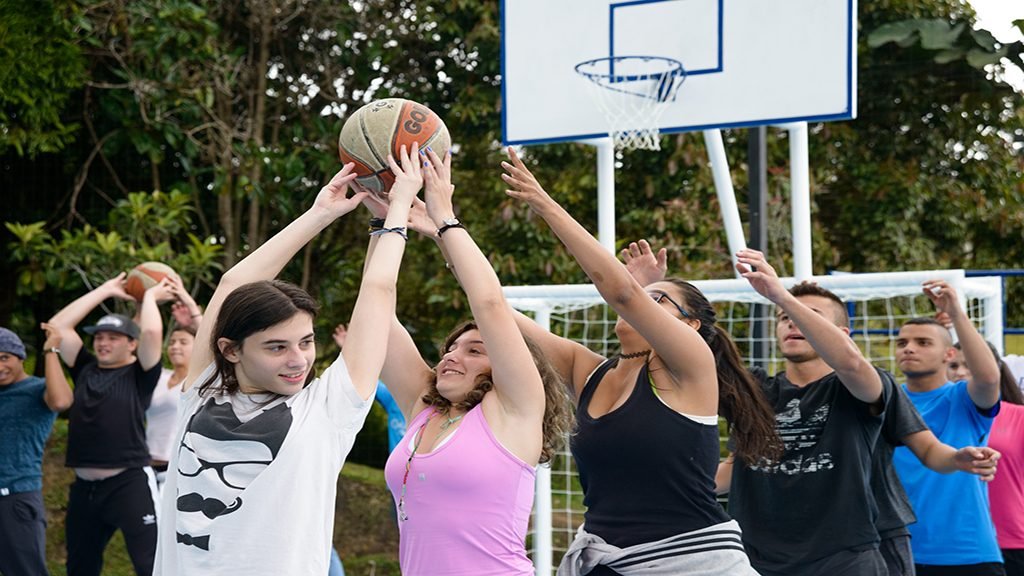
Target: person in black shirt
[[812, 512], [114, 488], [902, 426], [647, 439]]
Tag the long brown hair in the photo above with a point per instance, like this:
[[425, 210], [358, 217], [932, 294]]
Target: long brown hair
[[558, 417], [249, 309], [741, 401]]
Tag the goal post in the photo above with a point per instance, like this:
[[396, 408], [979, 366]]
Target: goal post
[[878, 303]]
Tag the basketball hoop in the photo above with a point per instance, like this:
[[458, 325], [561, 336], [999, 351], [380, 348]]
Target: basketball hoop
[[633, 92]]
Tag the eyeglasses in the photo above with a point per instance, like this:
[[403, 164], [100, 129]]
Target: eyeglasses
[[658, 296], [235, 475]]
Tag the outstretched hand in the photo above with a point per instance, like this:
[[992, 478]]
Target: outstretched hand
[[115, 287], [643, 264], [522, 183], [334, 197], [978, 460], [752, 265], [437, 176], [53, 336], [162, 291], [408, 175], [944, 297]]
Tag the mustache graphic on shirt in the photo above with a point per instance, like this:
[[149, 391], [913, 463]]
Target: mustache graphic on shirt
[[210, 507]]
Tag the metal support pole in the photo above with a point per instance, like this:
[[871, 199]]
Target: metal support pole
[[757, 200], [726, 194], [542, 540], [800, 174]]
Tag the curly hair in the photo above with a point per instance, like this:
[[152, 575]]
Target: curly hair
[[558, 415], [741, 401], [249, 309]]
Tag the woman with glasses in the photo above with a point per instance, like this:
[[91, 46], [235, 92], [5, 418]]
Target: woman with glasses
[[646, 445], [261, 438]]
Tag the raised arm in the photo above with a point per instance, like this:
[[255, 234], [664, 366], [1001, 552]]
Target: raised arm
[[267, 261], [184, 309], [984, 385], [151, 325], [573, 361], [643, 263], [832, 343], [73, 314], [370, 326], [945, 459], [408, 375], [680, 347], [517, 381], [58, 395]]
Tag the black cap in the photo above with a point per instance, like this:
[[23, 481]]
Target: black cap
[[115, 323]]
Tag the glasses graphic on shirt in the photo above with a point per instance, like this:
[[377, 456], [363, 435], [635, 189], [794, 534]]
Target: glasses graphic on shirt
[[237, 474]]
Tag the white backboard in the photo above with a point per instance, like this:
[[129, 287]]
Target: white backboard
[[748, 62]]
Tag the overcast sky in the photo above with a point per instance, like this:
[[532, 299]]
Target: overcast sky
[[997, 17]]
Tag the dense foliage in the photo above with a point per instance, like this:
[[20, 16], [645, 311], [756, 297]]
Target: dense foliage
[[111, 108]]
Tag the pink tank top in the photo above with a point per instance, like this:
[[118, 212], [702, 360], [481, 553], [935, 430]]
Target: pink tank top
[[468, 503], [1006, 491]]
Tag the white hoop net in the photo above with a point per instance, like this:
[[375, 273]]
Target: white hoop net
[[633, 92]]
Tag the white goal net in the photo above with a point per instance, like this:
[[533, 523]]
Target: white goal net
[[878, 304]]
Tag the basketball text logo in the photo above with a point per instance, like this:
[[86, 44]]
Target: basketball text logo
[[417, 116]]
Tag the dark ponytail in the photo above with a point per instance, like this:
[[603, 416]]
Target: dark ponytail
[[741, 401]]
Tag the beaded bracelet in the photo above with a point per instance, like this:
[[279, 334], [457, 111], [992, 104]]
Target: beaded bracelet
[[400, 230]]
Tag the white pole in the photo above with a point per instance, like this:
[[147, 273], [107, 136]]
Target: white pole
[[542, 543], [606, 194], [726, 194], [800, 184], [605, 191]]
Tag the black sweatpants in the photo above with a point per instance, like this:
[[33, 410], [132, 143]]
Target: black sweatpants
[[23, 534], [126, 502]]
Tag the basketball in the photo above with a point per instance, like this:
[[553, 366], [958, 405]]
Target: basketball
[[145, 276], [383, 127]]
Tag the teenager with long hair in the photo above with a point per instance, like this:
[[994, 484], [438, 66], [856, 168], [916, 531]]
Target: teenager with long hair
[[646, 445], [261, 438], [479, 421]]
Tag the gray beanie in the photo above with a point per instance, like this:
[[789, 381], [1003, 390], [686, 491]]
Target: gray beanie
[[11, 344]]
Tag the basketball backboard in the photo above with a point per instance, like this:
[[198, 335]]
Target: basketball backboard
[[747, 62]]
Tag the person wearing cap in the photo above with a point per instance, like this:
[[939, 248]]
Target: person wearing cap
[[28, 407], [114, 487]]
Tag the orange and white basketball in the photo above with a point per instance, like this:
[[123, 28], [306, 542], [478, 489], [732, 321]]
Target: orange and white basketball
[[145, 276], [383, 127]]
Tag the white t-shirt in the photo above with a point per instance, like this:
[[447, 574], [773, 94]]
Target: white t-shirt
[[252, 480], [161, 418]]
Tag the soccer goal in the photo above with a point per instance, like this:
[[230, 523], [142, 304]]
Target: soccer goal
[[878, 303]]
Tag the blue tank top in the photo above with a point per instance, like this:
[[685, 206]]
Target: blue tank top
[[647, 471]]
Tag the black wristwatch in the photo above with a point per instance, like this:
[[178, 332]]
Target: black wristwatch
[[448, 223]]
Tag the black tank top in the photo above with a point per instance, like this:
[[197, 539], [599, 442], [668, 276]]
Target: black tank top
[[647, 471]]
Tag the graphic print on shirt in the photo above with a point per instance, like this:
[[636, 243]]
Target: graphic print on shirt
[[799, 433], [218, 457]]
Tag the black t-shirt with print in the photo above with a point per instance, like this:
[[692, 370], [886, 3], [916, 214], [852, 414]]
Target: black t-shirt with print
[[816, 500], [894, 510], [106, 424]]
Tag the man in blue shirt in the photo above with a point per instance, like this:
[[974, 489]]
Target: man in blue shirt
[[28, 407], [954, 534]]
